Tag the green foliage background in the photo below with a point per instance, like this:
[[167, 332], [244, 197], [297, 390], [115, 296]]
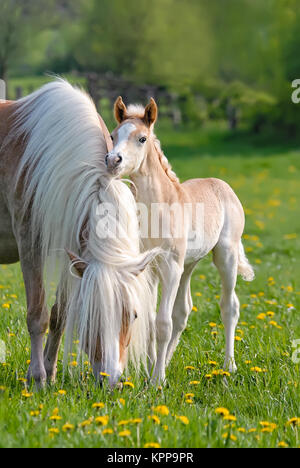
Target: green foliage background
[[240, 54]]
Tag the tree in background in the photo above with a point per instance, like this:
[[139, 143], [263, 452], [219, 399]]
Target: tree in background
[[21, 22]]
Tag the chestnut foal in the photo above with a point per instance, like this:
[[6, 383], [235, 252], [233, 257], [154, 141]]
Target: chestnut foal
[[214, 222]]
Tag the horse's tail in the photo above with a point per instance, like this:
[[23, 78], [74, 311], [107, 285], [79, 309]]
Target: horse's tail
[[244, 267]]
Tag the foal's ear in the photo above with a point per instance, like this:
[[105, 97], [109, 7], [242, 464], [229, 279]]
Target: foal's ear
[[120, 110], [151, 112], [77, 262]]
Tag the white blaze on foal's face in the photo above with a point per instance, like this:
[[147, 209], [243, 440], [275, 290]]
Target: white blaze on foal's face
[[131, 137], [130, 148]]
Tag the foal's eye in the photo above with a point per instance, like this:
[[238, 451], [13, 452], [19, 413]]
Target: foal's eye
[[142, 140]]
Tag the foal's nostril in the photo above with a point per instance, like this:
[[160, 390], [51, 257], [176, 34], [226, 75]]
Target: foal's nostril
[[119, 159]]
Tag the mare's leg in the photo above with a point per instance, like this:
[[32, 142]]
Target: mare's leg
[[37, 314], [225, 256], [152, 331], [56, 329], [170, 278], [182, 309]]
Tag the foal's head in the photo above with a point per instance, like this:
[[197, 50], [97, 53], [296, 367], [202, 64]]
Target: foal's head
[[131, 138]]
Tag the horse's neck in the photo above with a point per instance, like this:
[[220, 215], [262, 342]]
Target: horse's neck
[[153, 183]]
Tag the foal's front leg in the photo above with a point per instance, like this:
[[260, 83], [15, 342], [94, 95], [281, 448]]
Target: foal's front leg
[[170, 277]]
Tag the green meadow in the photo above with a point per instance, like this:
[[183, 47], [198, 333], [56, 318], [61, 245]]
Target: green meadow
[[199, 406]]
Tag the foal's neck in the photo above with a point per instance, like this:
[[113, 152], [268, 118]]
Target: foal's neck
[[153, 180]]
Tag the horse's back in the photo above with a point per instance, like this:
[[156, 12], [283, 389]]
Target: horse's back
[[8, 245]]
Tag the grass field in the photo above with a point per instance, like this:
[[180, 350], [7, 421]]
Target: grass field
[[261, 398]]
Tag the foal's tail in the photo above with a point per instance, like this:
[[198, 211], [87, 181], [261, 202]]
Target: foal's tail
[[244, 267]]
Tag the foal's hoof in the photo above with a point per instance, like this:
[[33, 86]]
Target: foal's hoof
[[230, 366]]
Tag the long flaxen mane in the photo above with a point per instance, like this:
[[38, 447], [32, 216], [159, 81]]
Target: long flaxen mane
[[65, 182]]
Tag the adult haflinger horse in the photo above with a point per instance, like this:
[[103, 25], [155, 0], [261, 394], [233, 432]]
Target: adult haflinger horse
[[53, 183], [214, 221]]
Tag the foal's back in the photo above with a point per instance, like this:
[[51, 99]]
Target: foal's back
[[223, 212]]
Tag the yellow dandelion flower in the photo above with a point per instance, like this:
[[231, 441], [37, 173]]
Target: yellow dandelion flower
[[107, 431], [73, 364], [122, 401], [189, 395], [256, 369], [282, 444], [154, 418], [86, 423], [125, 433], [129, 384], [136, 420], [213, 363], [293, 422], [198, 294], [152, 445], [183, 419], [26, 394], [102, 420], [212, 324], [68, 427], [238, 338], [162, 409], [229, 417], [104, 374], [99, 405], [189, 401], [195, 309], [124, 422], [261, 316], [241, 429], [195, 382], [190, 368], [62, 392], [222, 411], [55, 417], [54, 430]]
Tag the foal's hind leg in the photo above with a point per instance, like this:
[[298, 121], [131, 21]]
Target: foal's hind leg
[[225, 257], [37, 314]]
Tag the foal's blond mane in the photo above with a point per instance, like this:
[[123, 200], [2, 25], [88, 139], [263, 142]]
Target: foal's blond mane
[[165, 164]]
